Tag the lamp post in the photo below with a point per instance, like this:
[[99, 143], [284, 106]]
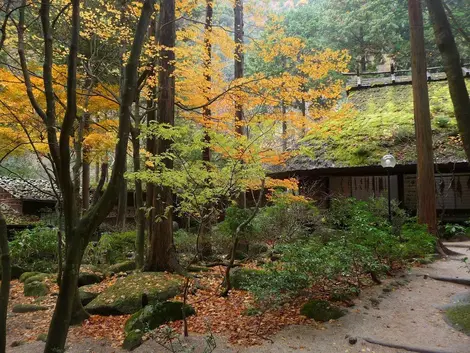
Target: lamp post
[[389, 162]]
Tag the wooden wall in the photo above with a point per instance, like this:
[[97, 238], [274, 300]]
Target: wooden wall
[[363, 187], [8, 199]]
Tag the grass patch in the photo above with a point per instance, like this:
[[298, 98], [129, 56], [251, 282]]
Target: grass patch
[[459, 317]]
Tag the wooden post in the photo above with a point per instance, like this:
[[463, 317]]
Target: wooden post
[[425, 183]]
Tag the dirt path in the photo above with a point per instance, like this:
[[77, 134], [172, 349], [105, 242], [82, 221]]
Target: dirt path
[[410, 313]]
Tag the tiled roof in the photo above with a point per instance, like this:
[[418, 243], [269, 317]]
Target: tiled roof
[[28, 189]]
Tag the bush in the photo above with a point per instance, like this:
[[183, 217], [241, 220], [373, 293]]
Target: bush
[[36, 249], [442, 122], [112, 248], [287, 219], [361, 241], [185, 242]]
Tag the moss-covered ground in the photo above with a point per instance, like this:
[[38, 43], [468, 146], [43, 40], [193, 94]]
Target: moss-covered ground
[[381, 121], [125, 296], [459, 317]]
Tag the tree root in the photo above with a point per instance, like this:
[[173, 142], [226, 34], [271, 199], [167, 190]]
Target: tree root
[[403, 346], [464, 281], [450, 245]]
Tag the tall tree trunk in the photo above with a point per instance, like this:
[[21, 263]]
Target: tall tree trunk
[[204, 244], [151, 145], [450, 56], [239, 57], [6, 277], [122, 205], [139, 200], [86, 168], [78, 233], [284, 127], [162, 254], [303, 108], [425, 184]]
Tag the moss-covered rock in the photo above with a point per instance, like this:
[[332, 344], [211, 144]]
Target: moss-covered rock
[[35, 289], [86, 296], [40, 277], [86, 278], [133, 340], [321, 311], [125, 296], [26, 275], [27, 308], [42, 337], [241, 278], [151, 317], [122, 267], [459, 317]]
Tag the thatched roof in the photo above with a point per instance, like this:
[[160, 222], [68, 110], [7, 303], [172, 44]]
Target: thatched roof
[[28, 189], [381, 122]]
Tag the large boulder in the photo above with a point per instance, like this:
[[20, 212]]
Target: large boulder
[[87, 278], [27, 308], [122, 267], [321, 311], [40, 277], [86, 296], [35, 289], [24, 276], [125, 296], [151, 317]]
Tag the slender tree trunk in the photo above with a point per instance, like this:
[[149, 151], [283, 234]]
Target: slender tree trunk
[[162, 254], [204, 244], [239, 57], [450, 56], [139, 201], [86, 168], [122, 205], [284, 127], [303, 107], [78, 233], [151, 147], [6, 277], [425, 184]]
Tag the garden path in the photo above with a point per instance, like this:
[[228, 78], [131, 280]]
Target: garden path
[[411, 315]]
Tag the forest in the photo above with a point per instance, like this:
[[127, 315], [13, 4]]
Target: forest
[[234, 176]]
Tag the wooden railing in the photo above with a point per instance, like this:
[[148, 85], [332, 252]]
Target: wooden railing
[[368, 79]]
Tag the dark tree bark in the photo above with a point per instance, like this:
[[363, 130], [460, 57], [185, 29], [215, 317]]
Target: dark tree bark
[[451, 58], [139, 200], [239, 57], [284, 127], [204, 243], [162, 254], [78, 230], [6, 277], [151, 143], [425, 183], [86, 170], [122, 205]]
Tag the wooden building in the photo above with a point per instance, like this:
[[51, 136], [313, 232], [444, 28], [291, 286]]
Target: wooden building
[[343, 156]]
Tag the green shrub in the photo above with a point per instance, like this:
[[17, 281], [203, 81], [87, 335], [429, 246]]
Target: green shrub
[[112, 248], [286, 219], [360, 241], [442, 122], [185, 242], [234, 216], [451, 230], [36, 249]]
